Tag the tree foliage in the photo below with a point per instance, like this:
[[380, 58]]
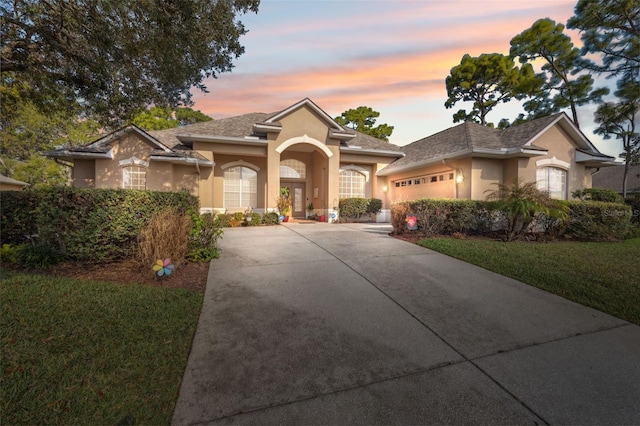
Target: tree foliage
[[610, 28], [546, 40], [618, 119], [363, 120], [158, 118], [116, 57], [487, 80]]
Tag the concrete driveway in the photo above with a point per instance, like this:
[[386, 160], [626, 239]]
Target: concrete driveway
[[341, 324]]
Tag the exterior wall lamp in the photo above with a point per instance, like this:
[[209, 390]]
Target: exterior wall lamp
[[384, 188], [459, 176]]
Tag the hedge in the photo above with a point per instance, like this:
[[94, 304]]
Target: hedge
[[586, 220], [85, 224], [353, 208]]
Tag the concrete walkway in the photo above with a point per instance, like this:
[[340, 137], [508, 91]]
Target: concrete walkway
[[341, 324]]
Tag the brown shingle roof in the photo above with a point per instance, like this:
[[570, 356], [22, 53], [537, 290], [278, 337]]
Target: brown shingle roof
[[611, 178], [464, 138]]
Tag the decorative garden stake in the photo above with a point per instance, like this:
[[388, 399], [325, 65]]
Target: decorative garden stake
[[163, 268]]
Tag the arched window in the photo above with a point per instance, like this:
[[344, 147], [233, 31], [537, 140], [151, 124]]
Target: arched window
[[134, 177], [352, 184], [293, 169], [240, 187], [552, 180]]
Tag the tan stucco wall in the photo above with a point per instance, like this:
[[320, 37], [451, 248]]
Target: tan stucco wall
[[486, 173], [560, 147], [84, 173], [214, 186]]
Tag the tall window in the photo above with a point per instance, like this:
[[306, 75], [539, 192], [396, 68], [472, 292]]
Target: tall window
[[134, 177], [351, 184], [552, 180], [293, 169], [240, 187]]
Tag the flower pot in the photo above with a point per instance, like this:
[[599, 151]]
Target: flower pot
[[285, 219], [322, 218]]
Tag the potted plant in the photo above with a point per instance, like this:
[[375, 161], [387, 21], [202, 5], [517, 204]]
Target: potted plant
[[309, 210], [284, 203]]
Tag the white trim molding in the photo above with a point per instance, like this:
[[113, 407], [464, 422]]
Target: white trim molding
[[355, 168], [241, 163], [304, 139], [134, 161], [553, 161]]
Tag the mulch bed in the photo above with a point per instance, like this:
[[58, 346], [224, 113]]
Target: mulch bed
[[190, 276]]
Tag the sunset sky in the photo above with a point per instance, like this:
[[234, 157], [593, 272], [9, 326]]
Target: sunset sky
[[392, 56]]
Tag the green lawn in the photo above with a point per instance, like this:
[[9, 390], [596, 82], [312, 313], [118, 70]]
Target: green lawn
[[604, 276], [79, 352]]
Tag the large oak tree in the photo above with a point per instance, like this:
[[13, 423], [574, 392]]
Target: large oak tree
[[117, 57]]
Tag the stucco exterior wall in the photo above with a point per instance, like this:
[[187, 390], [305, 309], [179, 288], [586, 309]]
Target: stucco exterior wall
[[559, 147], [485, 174], [84, 173]]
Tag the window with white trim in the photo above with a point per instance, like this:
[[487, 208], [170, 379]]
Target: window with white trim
[[292, 168], [240, 187], [134, 177], [552, 180], [351, 184]]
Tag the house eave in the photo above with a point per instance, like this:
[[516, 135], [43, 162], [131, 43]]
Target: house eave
[[182, 160], [502, 153], [594, 160], [250, 141], [380, 152], [70, 155]]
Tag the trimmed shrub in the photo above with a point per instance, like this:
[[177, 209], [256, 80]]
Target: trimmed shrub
[[256, 219], [98, 225], [203, 238], [598, 221], [634, 203], [223, 220], [374, 206], [598, 194], [271, 218], [353, 208]]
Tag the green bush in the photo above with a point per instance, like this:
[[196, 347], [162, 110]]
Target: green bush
[[8, 253], [634, 203], [223, 220], [87, 224], [440, 216], [375, 205], [38, 255], [598, 194], [271, 218], [256, 219], [203, 238], [598, 221], [585, 220], [353, 208]]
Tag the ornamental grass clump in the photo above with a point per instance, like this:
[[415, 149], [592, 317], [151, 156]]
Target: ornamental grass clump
[[165, 236]]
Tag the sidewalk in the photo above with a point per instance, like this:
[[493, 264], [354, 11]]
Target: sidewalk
[[312, 323]]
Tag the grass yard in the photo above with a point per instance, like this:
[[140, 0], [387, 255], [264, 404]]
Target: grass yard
[[84, 352], [604, 276]]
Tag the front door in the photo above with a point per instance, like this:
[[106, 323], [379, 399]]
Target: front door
[[298, 199]]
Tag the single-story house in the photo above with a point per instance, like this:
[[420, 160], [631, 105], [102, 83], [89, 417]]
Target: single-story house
[[10, 184], [611, 178], [239, 162]]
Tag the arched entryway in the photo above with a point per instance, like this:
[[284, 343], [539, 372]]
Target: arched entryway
[[304, 165]]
